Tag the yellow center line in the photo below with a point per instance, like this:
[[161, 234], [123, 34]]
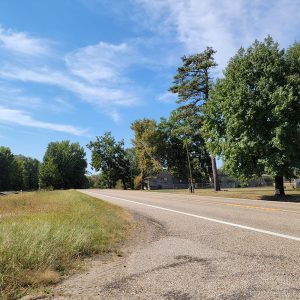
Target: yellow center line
[[252, 207], [255, 207], [169, 197], [242, 205]]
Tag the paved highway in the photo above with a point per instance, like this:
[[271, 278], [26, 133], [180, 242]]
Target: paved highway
[[208, 248]]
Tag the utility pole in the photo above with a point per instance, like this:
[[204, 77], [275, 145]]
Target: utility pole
[[215, 174], [131, 179], [191, 187]]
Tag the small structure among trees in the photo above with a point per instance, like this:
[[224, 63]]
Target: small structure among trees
[[164, 180]]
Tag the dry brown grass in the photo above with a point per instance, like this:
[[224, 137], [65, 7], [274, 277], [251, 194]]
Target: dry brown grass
[[264, 193], [37, 277]]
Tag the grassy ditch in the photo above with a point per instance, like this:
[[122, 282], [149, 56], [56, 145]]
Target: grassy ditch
[[43, 234]]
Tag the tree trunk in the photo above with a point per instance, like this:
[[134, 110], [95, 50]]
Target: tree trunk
[[215, 174], [124, 184], [279, 187], [191, 187], [142, 182]]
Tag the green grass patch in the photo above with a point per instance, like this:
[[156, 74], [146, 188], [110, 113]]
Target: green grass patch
[[43, 234], [256, 193]]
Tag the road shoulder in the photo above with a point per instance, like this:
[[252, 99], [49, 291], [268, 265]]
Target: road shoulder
[[101, 273]]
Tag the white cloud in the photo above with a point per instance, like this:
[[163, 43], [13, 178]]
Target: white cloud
[[102, 61], [96, 94], [114, 115], [60, 105], [98, 74], [167, 97], [22, 43], [22, 118], [94, 73], [225, 25], [16, 97]]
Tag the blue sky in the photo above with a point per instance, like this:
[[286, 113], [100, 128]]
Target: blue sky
[[73, 69]]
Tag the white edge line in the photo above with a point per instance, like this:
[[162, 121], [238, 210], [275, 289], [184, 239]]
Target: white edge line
[[290, 237]]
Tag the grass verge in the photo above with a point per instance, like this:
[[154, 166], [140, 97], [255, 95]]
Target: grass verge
[[264, 193], [43, 234]]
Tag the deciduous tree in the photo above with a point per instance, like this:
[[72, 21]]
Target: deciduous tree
[[148, 146], [178, 137], [253, 114], [10, 173], [109, 157], [63, 166], [29, 168]]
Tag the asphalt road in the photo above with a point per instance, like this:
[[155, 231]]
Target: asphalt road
[[209, 248]]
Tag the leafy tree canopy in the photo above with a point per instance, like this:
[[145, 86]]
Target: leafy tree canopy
[[110, 158], [17, 172], [9, 174], [177, 138], [149, 147], [63, 166], [29, 168], [253, 116]]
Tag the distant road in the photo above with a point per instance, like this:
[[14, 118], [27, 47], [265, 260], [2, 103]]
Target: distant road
[[213, 248]]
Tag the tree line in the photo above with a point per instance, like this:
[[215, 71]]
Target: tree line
[[250, 117], [63, 167], [17, 172]]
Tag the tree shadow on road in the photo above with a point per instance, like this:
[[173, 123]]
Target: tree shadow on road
[[287, 198]]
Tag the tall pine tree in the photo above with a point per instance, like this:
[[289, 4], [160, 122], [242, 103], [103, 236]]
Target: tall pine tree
[[193, 84]]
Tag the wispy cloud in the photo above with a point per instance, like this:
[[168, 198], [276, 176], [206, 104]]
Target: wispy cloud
[[22, 43], [60, 105], [225, 25], [167, 97], [100, 62], [114, 115], [99, 95], [95, 74], [22, 118], [17, 97]]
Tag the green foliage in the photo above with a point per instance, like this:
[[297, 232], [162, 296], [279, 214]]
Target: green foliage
[[63, 166], [175, 153], [29, 172], [176, 140], [162, 145], [134, 167], [49, 175], [149, 147], [193, 84], [292, 113], [110, 158], [10, 171], [96, 181], [17, 172], [252, 118]]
